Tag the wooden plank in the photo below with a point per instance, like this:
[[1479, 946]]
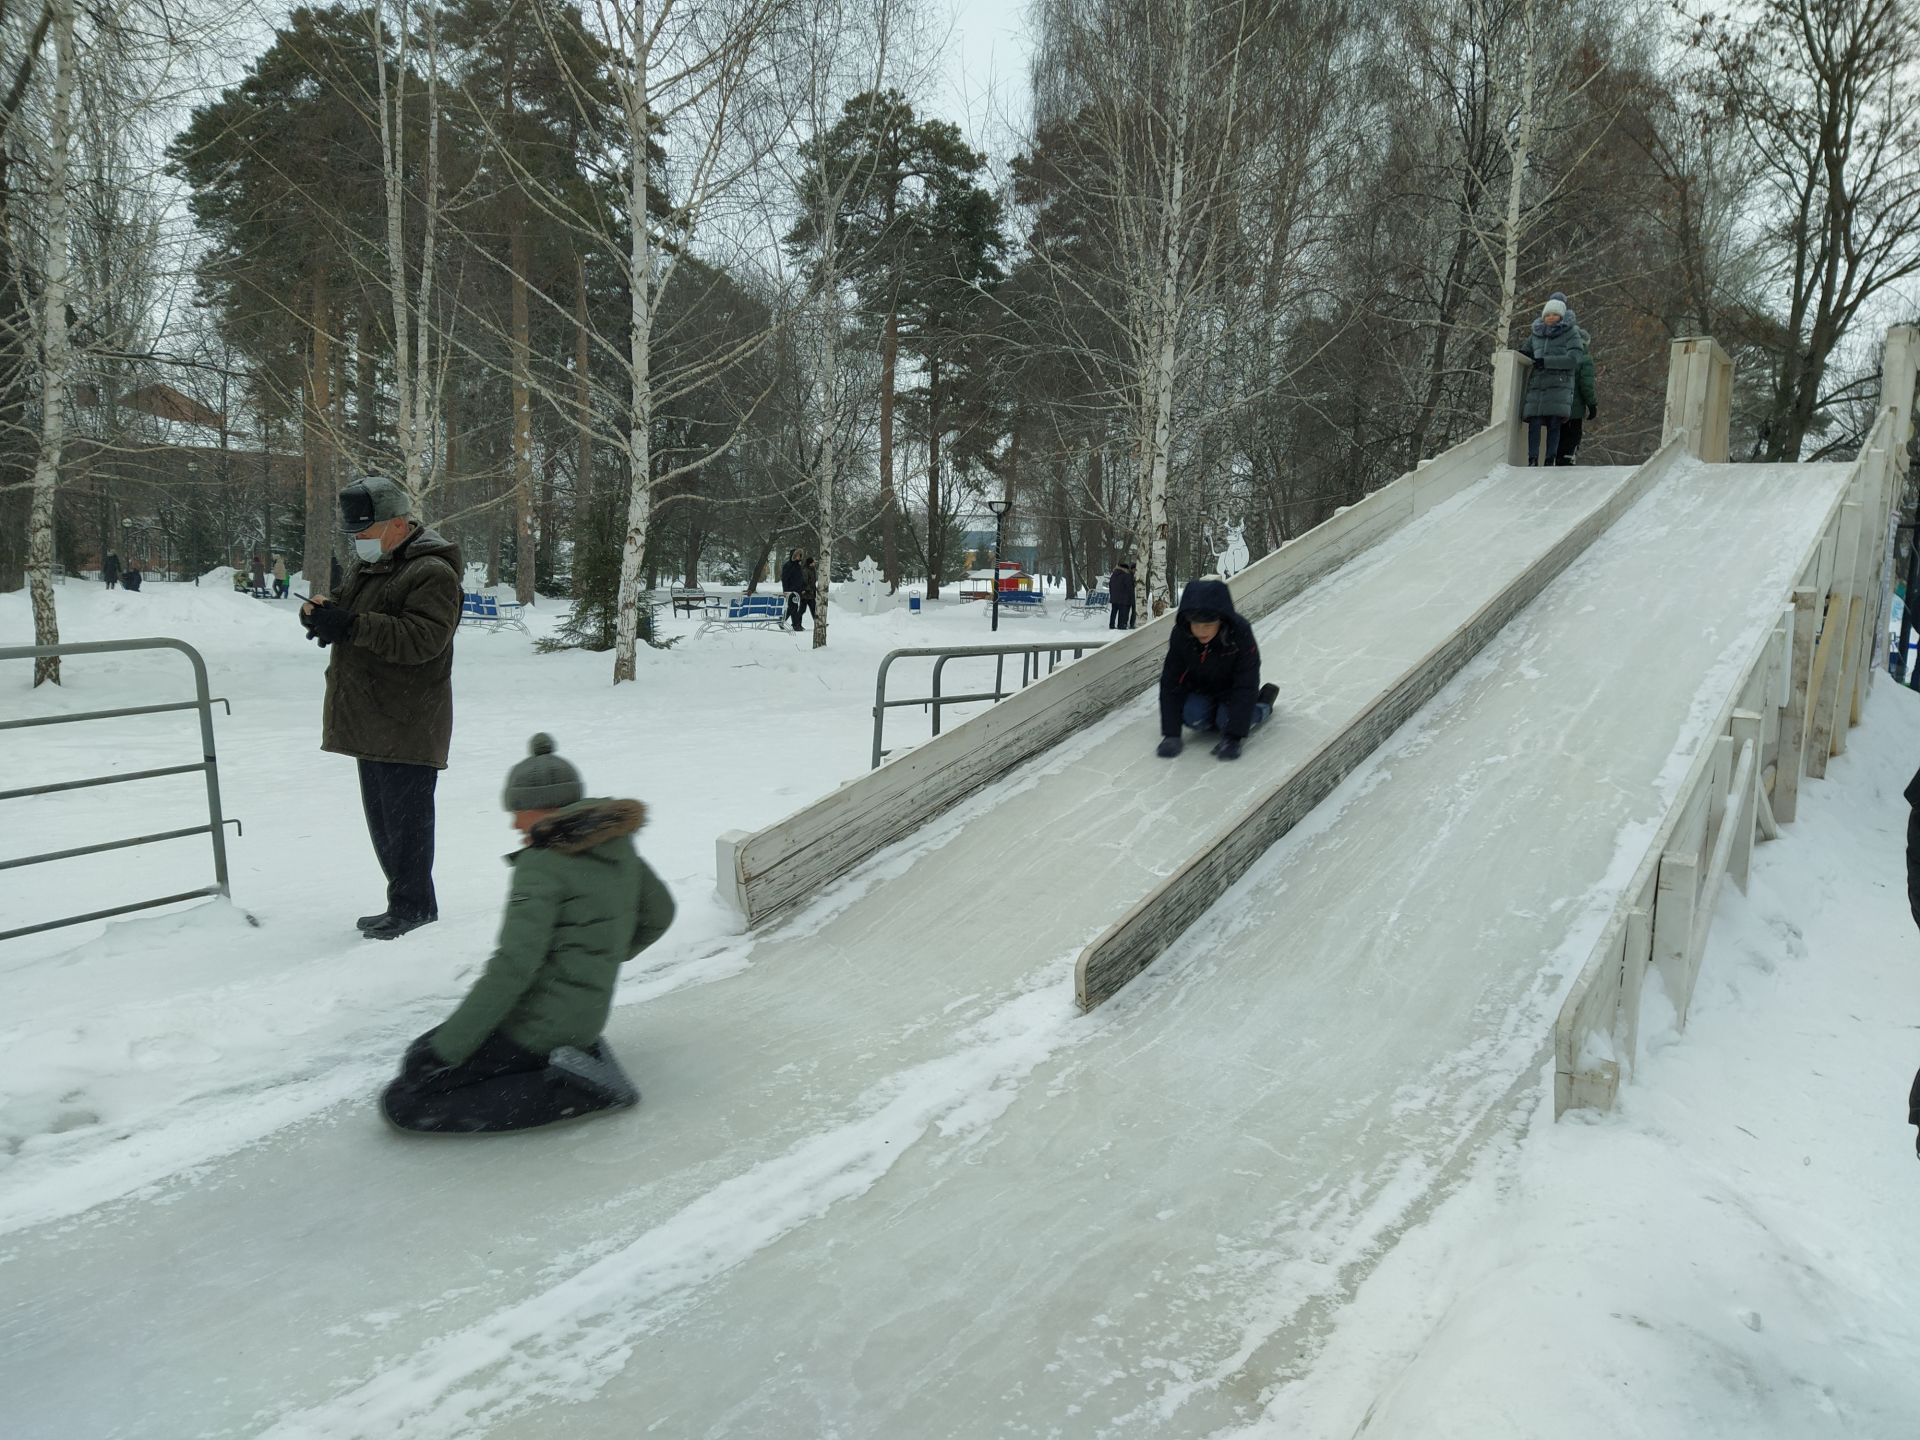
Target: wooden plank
[[1718, 865], [1875, 545], [1720, 776], [1819, 689], [1583, 1081], [1158, 918], [1675, 898], [763, 872], [1793, 721], [1747, 727], [1636, 956], [1845, 697]]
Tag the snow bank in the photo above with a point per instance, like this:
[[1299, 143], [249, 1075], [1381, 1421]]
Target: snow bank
[[1730, 1254]]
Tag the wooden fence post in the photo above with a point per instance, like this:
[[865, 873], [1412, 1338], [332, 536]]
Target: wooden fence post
[[1675, 895], [1748, 725]]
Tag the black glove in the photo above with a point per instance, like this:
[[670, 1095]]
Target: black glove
[[420, 1062], [1228, 749], [1170, 746], [1593, 412], [329, 624]]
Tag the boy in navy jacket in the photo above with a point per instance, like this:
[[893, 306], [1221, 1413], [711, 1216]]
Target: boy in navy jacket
[[1211, 678]]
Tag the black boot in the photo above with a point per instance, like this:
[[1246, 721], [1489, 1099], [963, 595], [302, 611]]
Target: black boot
[[392, 927]]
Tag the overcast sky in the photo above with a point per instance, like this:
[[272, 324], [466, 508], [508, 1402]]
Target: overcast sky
[[984, 89]]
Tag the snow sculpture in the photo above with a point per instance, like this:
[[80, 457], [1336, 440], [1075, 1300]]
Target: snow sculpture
[[869, 594], [1233, 559]]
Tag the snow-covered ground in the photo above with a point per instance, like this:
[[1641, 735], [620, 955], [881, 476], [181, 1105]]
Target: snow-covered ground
[[1731, 1254], [131, 1049], [1720, 1257]]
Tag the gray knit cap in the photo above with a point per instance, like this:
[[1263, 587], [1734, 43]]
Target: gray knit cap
[[372, 500], [543, 781]]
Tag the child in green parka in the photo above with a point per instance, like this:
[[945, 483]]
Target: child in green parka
[[524, 1049]]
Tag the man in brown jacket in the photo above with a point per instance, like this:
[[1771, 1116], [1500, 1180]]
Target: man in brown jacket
[[389, 697]]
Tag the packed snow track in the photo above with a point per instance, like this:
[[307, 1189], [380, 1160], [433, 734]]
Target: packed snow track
[[886, 1180]]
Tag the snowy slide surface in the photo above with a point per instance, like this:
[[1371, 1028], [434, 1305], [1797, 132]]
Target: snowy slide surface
[[1149, 1235], [354, 1283]]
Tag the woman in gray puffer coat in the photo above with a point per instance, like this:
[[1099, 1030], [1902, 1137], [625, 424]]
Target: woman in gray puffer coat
[[1556, 348]]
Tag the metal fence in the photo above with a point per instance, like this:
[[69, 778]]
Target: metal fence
[[1029, 672], [215, 828]]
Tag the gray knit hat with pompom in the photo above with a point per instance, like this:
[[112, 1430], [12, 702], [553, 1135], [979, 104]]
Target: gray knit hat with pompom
[[542, 781]]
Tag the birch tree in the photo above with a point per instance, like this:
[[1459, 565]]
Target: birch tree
[[1518, 143], [56, 360], [415, 380], [1159, 127], [699, 74]]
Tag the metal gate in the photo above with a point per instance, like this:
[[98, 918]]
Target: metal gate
[[215, 828]]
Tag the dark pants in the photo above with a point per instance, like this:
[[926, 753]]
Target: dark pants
[[794, 610], [1120, 617], [1570, 432], [498, 1087], [1207, 712], [398, 800], [1546, 453]]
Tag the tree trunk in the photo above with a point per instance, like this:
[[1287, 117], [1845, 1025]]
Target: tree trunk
[[827, 462], [583, 498], [523, 544], [935, 551], [316, 554], [57, 350], [633, 548], [1518, 152], [889, 373]]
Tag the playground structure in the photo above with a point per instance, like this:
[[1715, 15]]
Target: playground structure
[[907, 1178]]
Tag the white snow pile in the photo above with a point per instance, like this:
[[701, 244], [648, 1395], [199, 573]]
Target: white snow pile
[[1734, 1252]]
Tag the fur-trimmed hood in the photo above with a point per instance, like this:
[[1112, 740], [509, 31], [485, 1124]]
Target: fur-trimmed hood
[[587, 825]]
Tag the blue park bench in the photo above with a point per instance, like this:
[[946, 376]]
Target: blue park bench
[[493, 613], [765, 612], [1095, 602], [1022, 602]]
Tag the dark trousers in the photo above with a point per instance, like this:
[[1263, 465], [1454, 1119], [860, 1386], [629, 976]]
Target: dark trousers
[[1120, 617], [499, 1087], [1570, 432], [398, 800], [794, 610], [1550, 425]]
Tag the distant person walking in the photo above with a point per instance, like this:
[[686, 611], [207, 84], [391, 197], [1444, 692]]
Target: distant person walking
[[810, 597], [793, 580], [259, 576], [279, 577], [389, 700], [1555, 349], [110, 570], [1120, 597]]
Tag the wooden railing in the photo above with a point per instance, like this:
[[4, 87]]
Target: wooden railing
[[1790, 710]]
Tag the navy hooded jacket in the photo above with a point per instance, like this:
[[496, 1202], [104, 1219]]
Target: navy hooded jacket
[[1227, 668]]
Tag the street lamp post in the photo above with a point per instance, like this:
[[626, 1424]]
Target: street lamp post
[[999, 509]]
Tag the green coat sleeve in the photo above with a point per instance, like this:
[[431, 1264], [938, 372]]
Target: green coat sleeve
[[428, 616], [1584, 379], [525, 933], [656, 911]]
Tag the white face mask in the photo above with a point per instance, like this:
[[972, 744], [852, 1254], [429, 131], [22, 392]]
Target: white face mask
[[368, 550]]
